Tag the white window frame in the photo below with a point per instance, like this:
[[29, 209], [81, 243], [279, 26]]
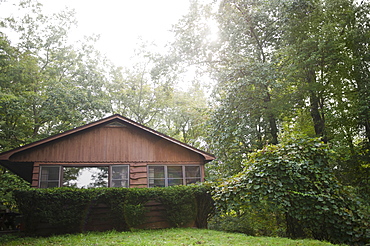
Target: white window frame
[[60, 179], [166, 178]]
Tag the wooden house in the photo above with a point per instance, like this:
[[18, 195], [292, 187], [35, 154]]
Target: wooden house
[[117, 151]]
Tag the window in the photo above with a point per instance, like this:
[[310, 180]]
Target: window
[[84, 177], [162, 176], [49, 177], [120, 176]]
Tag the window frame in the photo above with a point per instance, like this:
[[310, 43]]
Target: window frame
[[166, 178], [61, 173]]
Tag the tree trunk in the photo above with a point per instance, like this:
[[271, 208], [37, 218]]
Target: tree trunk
[[274, 129], [293, 227], [315, 106], [271, 119]]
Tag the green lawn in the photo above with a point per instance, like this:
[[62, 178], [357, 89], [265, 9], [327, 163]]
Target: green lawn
[[187, 236]]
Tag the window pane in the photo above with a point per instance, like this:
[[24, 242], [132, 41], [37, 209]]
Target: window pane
[[192, 181], [156, 176], [157, 183], [119, 183], [174, 171], [192, 172], [85, 177], [45, 184], [120, 172], [156, 172], [120, 176], [49, 177], [174, 182], [49, 173]]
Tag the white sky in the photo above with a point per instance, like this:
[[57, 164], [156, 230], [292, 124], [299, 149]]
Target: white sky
[[119, 22]]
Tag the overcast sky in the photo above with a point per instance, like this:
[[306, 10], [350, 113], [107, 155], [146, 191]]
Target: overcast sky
[[119, 22]]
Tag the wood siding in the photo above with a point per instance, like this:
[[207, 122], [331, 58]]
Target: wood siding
[[138, 175], [106, 144]]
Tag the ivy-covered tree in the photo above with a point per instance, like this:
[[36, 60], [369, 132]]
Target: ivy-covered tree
[[293, 180]]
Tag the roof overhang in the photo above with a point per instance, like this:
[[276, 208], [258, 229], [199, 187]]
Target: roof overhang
[[22, 169]]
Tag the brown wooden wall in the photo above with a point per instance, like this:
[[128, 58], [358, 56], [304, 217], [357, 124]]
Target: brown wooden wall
[[109, 144]]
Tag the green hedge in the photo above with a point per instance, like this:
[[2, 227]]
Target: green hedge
[[67, 209]]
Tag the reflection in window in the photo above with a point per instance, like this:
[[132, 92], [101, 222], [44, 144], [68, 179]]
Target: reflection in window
[[174, 175], [192, 174], [85, 177], [120, 176], [161, 176]]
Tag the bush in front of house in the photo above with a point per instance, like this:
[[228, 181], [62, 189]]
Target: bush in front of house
[[70, 210], [292, 186]]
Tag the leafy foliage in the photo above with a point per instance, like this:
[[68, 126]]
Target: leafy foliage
[[294, 180], [37, 73], [9, 182]]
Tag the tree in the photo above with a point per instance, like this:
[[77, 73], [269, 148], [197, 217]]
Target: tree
[[39, 72], [248, 81], [325, 59], [146, 93], [137, 93], [186, 116]]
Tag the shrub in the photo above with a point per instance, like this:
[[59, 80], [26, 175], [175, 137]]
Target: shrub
[[67, 209], [63, 208], [295, 182]]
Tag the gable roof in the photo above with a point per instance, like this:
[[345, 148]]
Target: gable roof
[[6, 155]]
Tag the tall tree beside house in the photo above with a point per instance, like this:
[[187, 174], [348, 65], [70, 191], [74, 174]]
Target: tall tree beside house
[[50, 86], [315, 41], [11, 98], [243, 64], [283, 68], [325, 51]]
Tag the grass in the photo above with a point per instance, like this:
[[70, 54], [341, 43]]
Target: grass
[[178, 237]]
